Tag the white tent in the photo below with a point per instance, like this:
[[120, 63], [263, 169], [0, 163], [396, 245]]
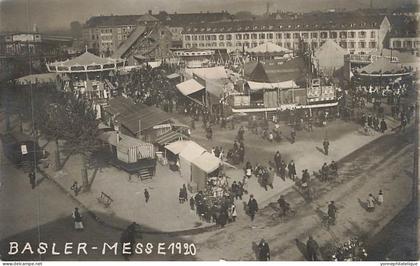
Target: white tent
[[330, 56], [268, 48], [189, 87]]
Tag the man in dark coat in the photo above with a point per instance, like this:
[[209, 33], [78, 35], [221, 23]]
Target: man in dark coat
[[312, 249], [263, 251], [326, 145], [282, 170], [277, 161], [383, 126], [146, 195], [292, 170], [252, 207], [332, 210]]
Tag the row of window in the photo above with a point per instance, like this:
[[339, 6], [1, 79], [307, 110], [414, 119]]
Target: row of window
[[405, 44], [289, 45], [279, 35]]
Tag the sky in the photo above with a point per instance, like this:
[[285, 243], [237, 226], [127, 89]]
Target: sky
[[51, 15]]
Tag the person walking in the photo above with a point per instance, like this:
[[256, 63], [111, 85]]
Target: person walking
[[380, 198], [292, 170], [146, 195], [252, 207], [248, 170], [384, 127], [263, 251], [233, 213], [77, 218], [293, 135], [370, 203], [277, 161], [326, 145], [332, 212], [312, 249], [283, 167], [32, 179]]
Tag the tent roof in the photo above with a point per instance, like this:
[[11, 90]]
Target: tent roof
[[129, 114], [86, 59], [382, 65], [173, 76], [191, 151], [177, 146], [207, 162], [273, 71], [268, 48], [218, 72], [37, 78], [329, 48], [280, 85], [126, 142], [189, 87]]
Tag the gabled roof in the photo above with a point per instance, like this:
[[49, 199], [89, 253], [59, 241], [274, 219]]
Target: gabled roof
[[132, 115], [147, 18], [273, 71], [111, 21]]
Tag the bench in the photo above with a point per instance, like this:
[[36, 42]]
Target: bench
[[105, 199]]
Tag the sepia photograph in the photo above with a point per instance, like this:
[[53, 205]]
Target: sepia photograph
[[218, 131]]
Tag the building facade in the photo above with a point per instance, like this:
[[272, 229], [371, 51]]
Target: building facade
[[355, 34], [104, 34]]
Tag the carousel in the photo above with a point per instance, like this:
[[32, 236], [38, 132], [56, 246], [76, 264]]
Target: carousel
[[87, 75]]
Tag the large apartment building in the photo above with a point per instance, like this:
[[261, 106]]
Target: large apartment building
[[104, 34], [356, 34]]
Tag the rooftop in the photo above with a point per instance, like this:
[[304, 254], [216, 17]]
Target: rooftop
[[313, 22]]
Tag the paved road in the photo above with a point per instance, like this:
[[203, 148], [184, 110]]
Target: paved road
[[383, 164]]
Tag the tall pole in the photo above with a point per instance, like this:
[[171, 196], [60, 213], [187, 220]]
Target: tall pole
[[416, 187]]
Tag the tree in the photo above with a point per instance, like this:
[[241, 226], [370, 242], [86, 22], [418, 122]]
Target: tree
[[81, 131]]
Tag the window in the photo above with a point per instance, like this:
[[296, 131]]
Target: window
[[254, 44], [269, 36], [208, 37], [187, 37], [201, 45], [213, 37], [194, 37], [221, 44], [228, 44], [201, 37], [254, 36], [246, 36], [343, 44], [228, 37], [362, 34], [188, 45], [352, 34], [280, 44], [238, 36], [287, 35], [343, 35], [397, 44], [362, 45], [246, 44], [372, 44], [296, 35], [288, 45], [314, 35], [333, 35], [221, 37], [372, 34], [238, 44], [351, 45], [314, 45], [324, 35], [279, 35], [262, 36], [305, 35]]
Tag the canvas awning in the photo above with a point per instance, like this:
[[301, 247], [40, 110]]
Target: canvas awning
[[144, 150], [173, 76], [278, 85], [169, 137], [207, 162], [189, 87], [382, 65], [268, 48], [37, 79]]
